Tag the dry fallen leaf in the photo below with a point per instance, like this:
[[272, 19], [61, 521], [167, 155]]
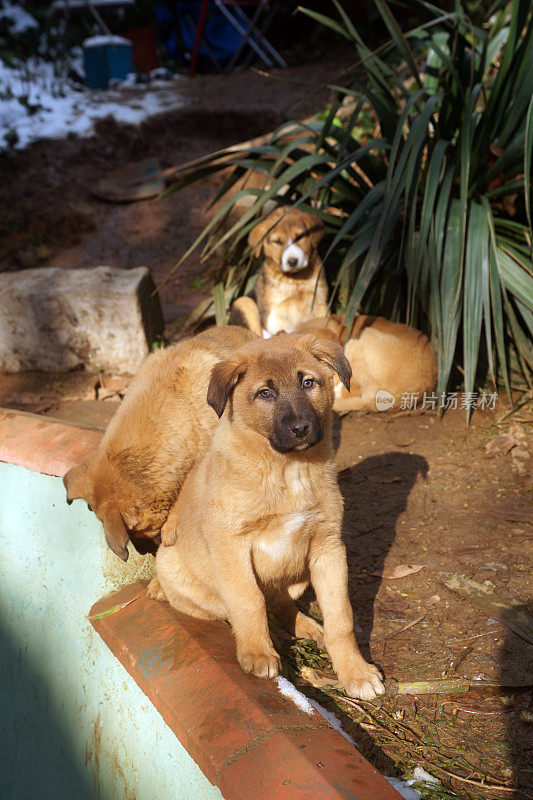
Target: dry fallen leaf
[[521, 454], [500, 445], [401, 571], [318, 678]]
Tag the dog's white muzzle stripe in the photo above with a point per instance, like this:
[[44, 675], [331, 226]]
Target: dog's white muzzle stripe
[[293, 258]]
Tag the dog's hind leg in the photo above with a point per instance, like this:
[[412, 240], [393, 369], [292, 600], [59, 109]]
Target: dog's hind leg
[[245, 313], [294, 620], [300, 625], [183, 590], [155, 591]]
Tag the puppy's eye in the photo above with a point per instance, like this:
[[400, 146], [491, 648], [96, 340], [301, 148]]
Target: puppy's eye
[[277, 241], [265, 393], [308, 383]]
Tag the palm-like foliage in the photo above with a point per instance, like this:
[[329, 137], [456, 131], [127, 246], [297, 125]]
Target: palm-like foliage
[[428, 216]]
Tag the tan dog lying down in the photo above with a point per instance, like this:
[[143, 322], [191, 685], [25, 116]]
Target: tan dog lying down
[[291, 286], [161, 427], [259, 516], [384, 356]]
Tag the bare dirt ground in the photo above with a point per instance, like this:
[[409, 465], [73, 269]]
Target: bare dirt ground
[[418, 490]]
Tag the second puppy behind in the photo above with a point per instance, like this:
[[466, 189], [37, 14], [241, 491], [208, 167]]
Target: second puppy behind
[[291, 286], [388, 360]]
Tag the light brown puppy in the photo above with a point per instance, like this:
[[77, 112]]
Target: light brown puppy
[[388, 359], [259, 516], [160, 429], [291, 286]]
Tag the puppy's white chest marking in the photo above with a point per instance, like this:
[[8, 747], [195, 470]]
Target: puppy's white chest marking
[[274, 323], [297, 480], [283, 540]]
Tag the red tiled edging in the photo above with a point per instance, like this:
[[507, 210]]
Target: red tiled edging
[[248, 739], [43, 445]]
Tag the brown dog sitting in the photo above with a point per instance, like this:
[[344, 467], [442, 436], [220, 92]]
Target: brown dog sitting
[[259, 516], [160, 429], [388, 359], [291, 286]]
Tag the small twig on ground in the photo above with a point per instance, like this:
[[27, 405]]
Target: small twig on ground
[[480, 785], [456, 662], [523, 400], [405, 628]]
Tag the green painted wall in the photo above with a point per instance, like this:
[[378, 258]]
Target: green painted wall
[[73, 723]]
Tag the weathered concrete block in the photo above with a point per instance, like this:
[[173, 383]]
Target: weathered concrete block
[[54, 319]]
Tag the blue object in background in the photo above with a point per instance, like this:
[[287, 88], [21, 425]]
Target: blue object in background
[[178, 23], [106, 58]]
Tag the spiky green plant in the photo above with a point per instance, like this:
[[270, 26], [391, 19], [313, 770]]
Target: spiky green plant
[[428, 216]]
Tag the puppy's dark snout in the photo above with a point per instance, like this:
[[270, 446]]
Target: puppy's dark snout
[[299, 429]]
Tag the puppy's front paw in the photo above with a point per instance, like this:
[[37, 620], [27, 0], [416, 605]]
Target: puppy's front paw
[[264, 662], [169, 534], [364, 681], [155, 591]]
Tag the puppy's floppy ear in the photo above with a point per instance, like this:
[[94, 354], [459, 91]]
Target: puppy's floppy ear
[[332, 354], [224, 378], [75, 482], [314, 227], [262, 228], [115, 532]]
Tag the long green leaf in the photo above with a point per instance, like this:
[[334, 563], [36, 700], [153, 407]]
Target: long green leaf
[[528, 157], [516, 279], [399, 39], [476, 268], [450, 290], [496, 299]]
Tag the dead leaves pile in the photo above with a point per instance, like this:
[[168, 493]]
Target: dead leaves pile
[[517, 442]]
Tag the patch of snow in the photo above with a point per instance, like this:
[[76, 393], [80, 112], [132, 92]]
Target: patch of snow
[[102, 41], [403, 788], [37, 103], [406, 789], [420, 774], [288, 689], [19, 21]]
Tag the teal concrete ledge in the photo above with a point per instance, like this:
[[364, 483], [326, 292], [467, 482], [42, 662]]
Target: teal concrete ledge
[[147, 703]]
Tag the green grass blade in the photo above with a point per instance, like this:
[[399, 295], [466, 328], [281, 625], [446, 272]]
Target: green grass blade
[[113, 610]]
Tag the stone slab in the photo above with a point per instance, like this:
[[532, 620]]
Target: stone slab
[[54, 319]]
